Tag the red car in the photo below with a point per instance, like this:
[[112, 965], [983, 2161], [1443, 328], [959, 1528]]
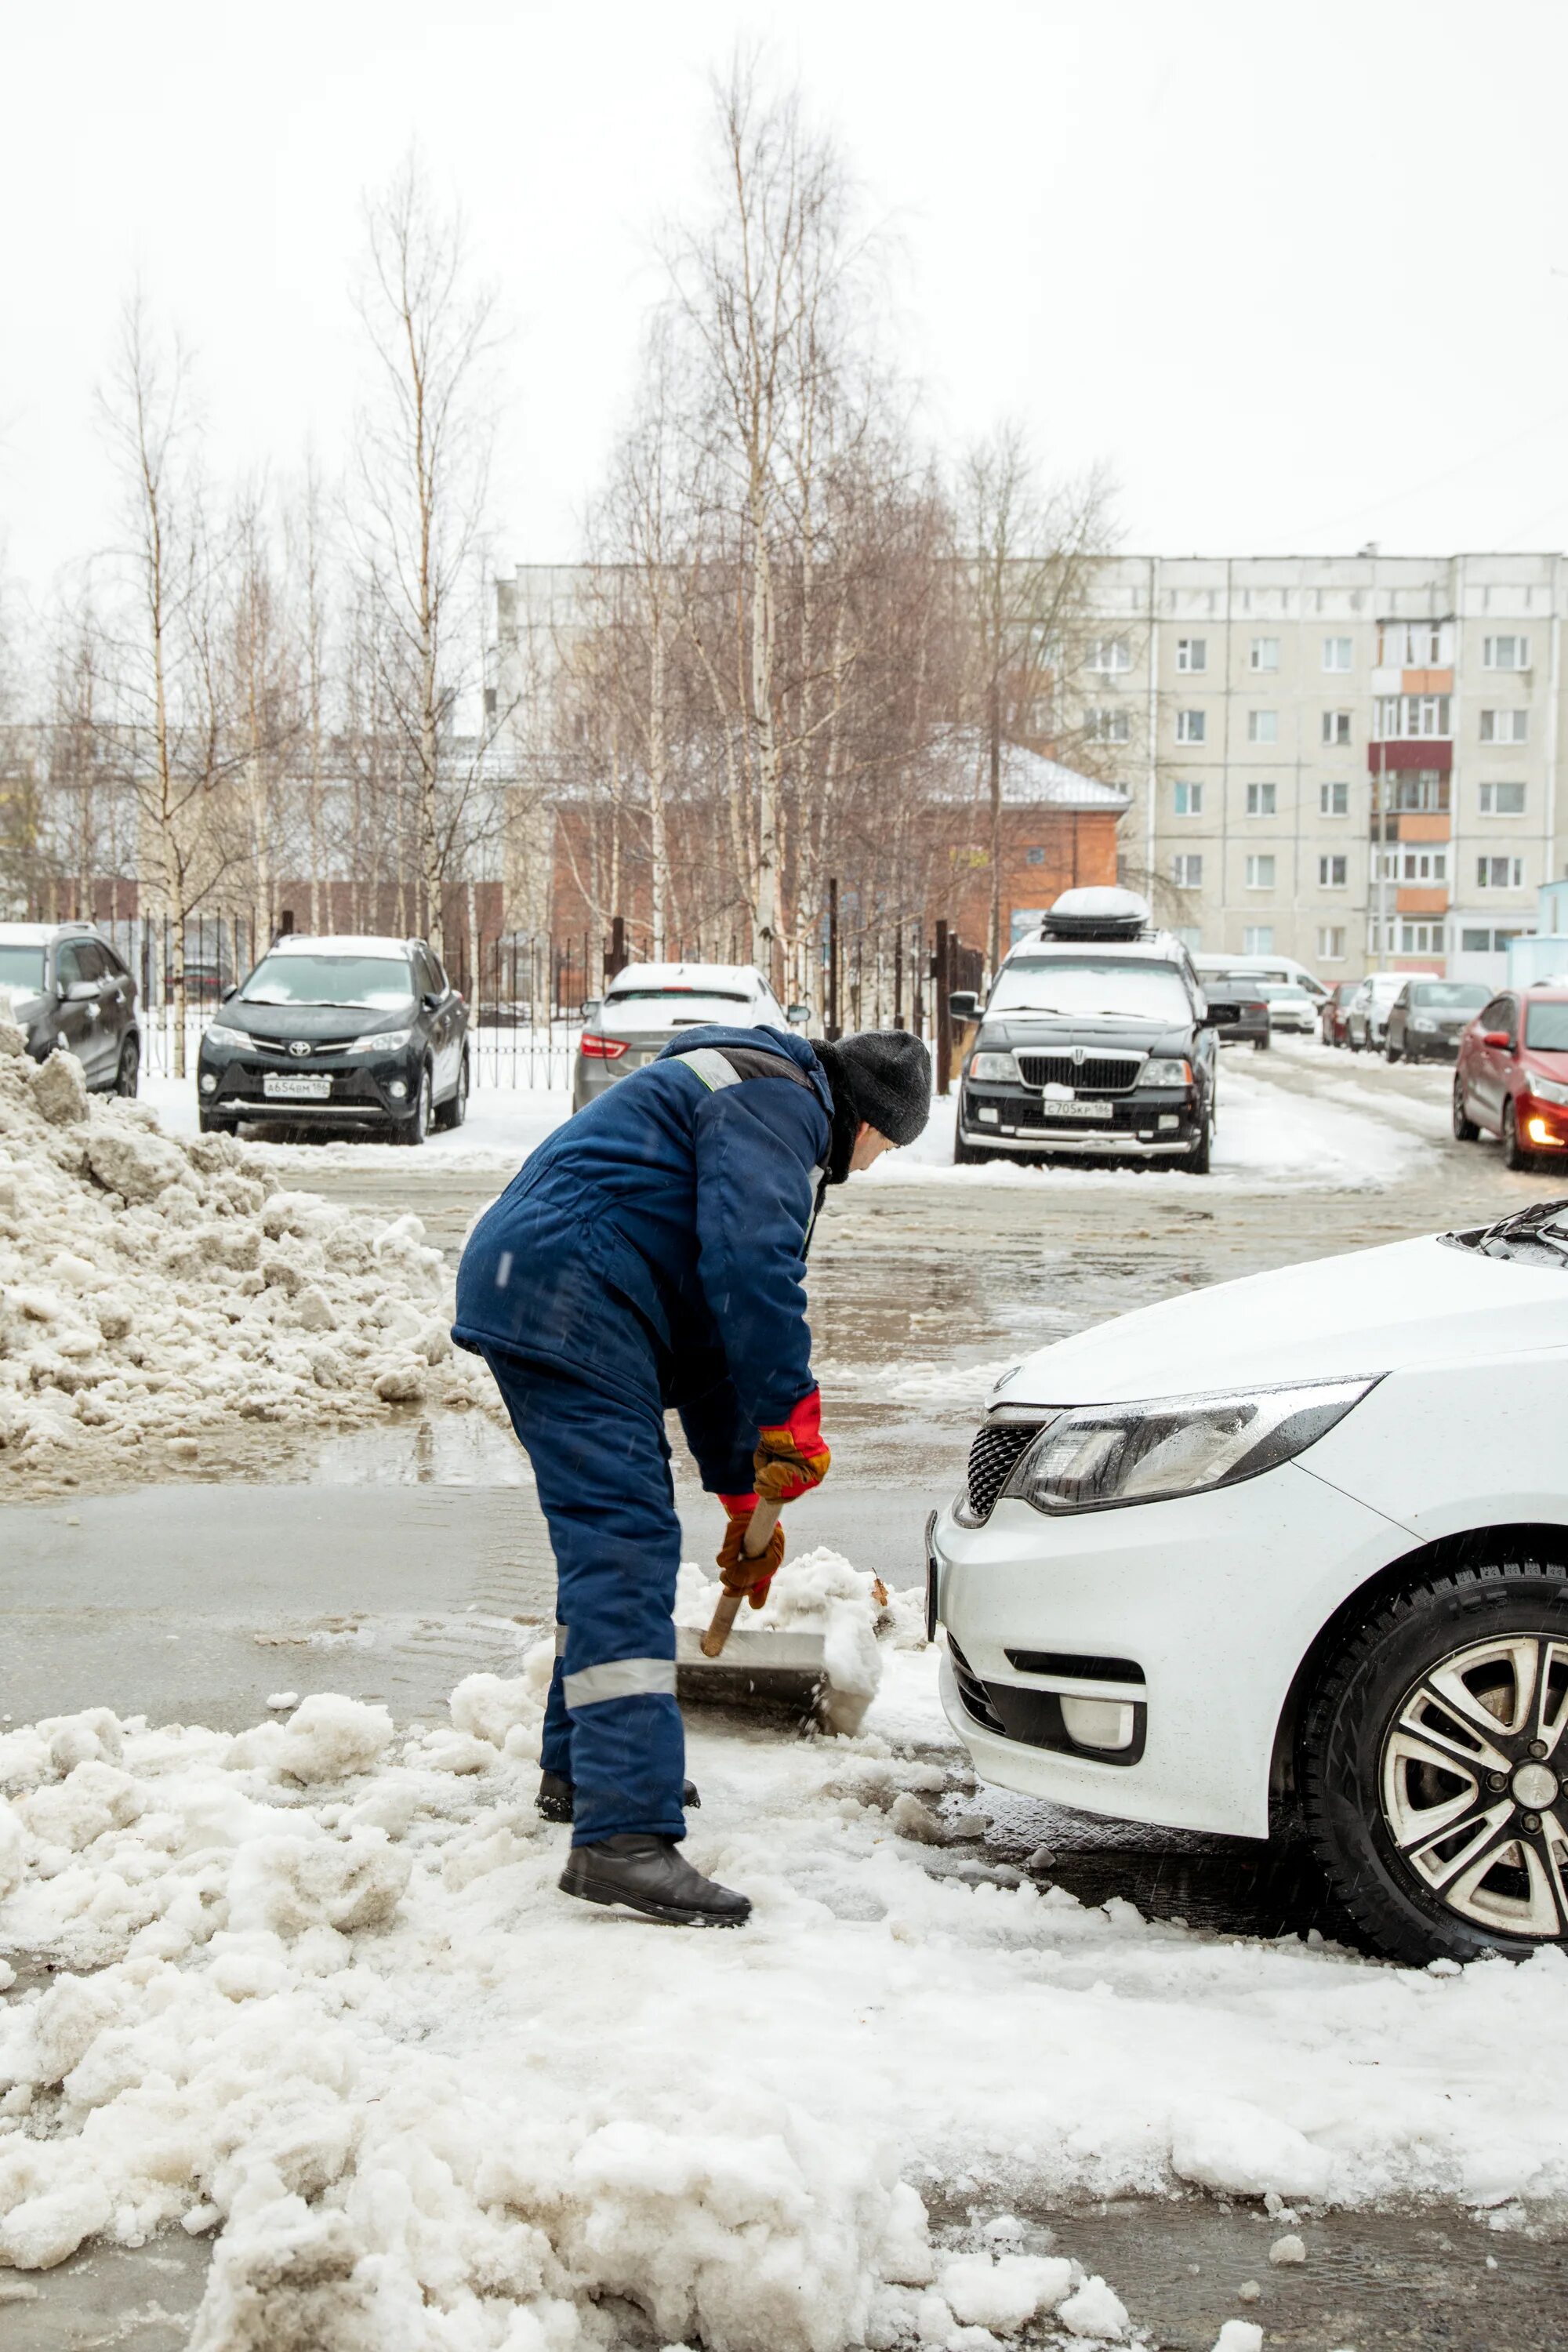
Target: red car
[[1512, 1075], [1331, 1012]]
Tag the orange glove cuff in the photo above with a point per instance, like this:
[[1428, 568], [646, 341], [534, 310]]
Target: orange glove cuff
[[792, 1455]]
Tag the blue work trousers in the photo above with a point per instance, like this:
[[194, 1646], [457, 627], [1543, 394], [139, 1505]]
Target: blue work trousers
[[612, 1728]]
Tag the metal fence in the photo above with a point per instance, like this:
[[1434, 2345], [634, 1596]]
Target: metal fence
[[526, 994]]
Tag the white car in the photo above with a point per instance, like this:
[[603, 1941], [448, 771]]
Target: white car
[[1366, 1014], [1290, 1006], [1294, 1547], [647, 1003]]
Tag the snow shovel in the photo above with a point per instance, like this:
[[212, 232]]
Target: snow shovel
[[751, 1668]]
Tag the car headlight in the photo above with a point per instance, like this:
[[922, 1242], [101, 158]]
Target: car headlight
[[1166, 1074], [994, 1066], [215, 1033], [1547, 1090], [380, 1041], [1094, 1457], [1422, 1021]]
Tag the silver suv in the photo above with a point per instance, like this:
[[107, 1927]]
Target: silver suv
[[68, 987], [647, 1003]]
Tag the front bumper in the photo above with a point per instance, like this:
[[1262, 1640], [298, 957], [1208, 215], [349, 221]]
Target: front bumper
[[1146, 1123], [360, 1087], [1213, 1598]]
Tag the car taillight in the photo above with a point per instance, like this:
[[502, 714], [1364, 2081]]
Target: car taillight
[[600, 1049]]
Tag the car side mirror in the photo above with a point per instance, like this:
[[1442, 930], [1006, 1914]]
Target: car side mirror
[[591, 1007], [228, 992], [430, 1001], [81, 992], [798, 1015], [1497, 1037], [963, 1005]]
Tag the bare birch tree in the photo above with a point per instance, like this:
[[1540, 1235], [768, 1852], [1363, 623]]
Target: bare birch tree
[[1025, 559], [423, 455]]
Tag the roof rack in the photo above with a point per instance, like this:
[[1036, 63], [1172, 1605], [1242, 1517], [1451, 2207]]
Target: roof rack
[[1101, 913]]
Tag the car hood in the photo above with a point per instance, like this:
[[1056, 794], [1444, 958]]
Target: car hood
[[281, 1021], [1046, 1034], [1369, 1311]]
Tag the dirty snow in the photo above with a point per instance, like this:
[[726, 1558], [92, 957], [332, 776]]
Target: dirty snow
[[313, 1988], [503, 1124], [155, 1286]]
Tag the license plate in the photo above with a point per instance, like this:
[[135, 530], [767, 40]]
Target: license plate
[[1077, 1108], [281, 1089]]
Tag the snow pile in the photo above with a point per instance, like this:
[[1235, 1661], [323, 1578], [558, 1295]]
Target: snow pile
[[313, 1988], [151, 1287]]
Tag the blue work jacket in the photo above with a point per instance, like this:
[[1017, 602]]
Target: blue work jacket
[[661, 1235]]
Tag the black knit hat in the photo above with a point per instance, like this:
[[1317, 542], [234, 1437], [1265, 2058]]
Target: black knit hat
[[884, 1075]]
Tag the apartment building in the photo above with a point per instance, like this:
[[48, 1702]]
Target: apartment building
[[1349, 760]]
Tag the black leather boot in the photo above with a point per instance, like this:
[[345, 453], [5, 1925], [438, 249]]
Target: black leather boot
[[647, 1875], [554, 1799]]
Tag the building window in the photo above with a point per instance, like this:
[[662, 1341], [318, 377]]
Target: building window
[[1333, 799], [1414, 644], [1189, 800], [1505, 726], [1106, 726], [1034, 857], [1336, 652], [1331, 943], [1420, 865], [1415, 792], [1192, 653], [1191, 725], [1332, 873], [1407, 718], [1260, 873], [1502, 800], [1192, 939], [1262, 726], [1261, 799], [1336, 727], [1106, 654], [1265, 653], [1506, 653], [1187, 870], [1499, 873], [1485, 943], [1258, 938], [1420, 939]]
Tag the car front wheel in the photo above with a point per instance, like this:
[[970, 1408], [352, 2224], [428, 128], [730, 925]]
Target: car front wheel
[[128, 1075], [417, 1125], [452, 1114], [1514, 1154], [1465, 1127], [1435, 1767], [1390, 1051]]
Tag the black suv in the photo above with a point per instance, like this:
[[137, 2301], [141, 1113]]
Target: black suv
[[69, 988], [1096, 1041], [359, 1033]]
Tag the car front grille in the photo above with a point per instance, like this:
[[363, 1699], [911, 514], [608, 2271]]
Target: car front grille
[[1098, 1074], [996, 1448]]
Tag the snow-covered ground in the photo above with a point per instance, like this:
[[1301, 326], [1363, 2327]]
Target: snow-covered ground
[[1268, 1138], [315, 1987]]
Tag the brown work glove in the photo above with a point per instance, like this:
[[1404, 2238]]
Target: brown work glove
[[737, 1571], [792, 1455]]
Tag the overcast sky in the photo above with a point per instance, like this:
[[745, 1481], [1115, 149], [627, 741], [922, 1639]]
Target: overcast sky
[[1298, 273]]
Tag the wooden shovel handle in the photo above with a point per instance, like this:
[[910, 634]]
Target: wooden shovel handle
[[757, 1538]]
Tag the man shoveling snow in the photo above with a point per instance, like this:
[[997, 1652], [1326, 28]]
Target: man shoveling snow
[[651, 1255]]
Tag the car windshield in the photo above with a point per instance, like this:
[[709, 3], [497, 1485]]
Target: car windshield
[[371, 983], [1118, 986], [1546, 1028], [22, 968], [1449, 995]]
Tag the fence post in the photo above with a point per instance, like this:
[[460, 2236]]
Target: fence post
[[831, 1026], [941, 975]]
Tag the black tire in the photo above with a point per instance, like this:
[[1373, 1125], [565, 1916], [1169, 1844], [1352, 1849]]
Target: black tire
[[967, 1155], [452, 1113], [1196, 1162], [1389, 1054], [212, 1122], [414, 1130], [1261, 1044], [128, 1075], [1465, 1127], [1368, 1773], [1514, 1154]]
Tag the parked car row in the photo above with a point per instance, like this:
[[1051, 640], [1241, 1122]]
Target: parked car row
[[1405, 1016], [68, 987]]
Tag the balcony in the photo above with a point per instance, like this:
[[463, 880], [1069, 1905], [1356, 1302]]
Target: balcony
[[1418, 898]]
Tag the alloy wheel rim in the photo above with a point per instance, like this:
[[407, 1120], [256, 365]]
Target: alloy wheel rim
[[1474, 1784]]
